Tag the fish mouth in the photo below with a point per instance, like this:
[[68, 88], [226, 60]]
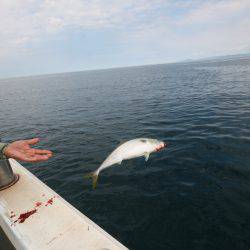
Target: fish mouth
[[161, 146]]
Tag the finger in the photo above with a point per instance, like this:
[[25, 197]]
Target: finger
[[41, 158], [36, 158], [42, 152], [32, 141]]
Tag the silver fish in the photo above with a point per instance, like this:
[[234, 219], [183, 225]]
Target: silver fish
[[128, 150]]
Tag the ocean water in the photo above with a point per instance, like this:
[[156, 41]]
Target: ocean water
[[193, 195]]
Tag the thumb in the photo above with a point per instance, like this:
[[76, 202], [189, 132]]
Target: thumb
[[32, 141]]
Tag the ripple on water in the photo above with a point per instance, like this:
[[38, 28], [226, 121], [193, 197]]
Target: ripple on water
[[193, 195]]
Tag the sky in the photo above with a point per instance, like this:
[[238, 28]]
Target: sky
[[52, 36]]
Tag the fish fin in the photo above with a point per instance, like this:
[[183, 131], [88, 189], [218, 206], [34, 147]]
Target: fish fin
[[94, 176], [146, 156], [120, 162]]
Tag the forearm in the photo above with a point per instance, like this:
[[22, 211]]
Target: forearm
[[2, 147]]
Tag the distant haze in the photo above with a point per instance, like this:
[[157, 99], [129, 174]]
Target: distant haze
[[39, 37]]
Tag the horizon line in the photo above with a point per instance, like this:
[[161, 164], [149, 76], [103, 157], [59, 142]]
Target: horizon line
[[222, 57]]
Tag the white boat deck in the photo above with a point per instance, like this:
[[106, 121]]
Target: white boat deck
[[33, 216]]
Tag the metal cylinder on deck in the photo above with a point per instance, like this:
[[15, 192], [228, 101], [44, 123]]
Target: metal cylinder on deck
[[7, 177]]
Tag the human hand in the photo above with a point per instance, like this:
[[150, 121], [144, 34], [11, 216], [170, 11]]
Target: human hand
[[21, 150]]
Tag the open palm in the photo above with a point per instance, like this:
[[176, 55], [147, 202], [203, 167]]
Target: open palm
[[21, 150]]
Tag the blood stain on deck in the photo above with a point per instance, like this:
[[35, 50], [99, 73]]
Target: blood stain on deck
[[38, 204], [50, 201], [22, 217]]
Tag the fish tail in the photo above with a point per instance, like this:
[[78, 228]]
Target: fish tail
[[94, 175]]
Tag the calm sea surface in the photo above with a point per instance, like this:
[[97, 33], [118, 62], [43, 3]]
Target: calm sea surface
[[193, 195]]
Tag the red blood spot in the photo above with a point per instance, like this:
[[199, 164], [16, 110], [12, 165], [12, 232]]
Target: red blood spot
[[43, 194], [38, 204], [24, 216], [50, 201]]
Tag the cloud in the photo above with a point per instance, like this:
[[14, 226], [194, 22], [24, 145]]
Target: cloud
[[28, 20], [159, 30], [216, 12], [198, 29]]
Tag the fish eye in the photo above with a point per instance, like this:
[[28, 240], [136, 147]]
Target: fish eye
[[143, 140]]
